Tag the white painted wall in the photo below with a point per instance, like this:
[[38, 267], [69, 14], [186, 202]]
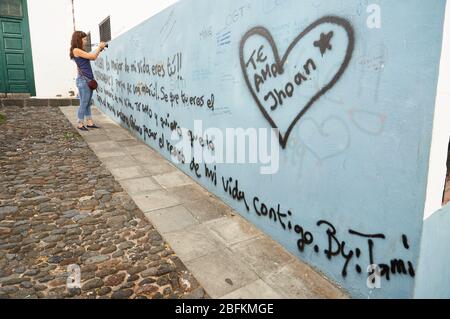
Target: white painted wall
[[441, 129], [124, 14], [51, 27]]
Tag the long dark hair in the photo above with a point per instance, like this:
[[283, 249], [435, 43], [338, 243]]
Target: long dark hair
[[77, 42]]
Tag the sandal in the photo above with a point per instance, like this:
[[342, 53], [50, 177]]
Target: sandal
[[83, 128], [93, 126]]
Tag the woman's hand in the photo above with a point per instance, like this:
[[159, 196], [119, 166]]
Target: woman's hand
[[102, 45]]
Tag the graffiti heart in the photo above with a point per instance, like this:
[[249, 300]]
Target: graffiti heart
[[282, 86]]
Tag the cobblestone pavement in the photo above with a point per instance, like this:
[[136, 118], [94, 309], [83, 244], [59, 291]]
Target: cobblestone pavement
[[60, 207]]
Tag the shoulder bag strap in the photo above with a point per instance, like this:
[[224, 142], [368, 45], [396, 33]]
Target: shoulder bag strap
[[81, 72]]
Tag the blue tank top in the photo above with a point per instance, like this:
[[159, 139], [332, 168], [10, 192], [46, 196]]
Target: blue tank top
[[85, 66]]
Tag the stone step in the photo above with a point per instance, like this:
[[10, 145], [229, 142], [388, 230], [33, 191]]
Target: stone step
[[24, 102], [15, 95]]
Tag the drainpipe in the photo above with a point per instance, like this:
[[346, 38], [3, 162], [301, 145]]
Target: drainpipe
[[73, 15]]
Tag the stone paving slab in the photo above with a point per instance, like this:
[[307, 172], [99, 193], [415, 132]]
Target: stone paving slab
[[206, 209], [229, 257], [233, 230], [221, 273], [123, 173], [172, 219], [189, 193], [156, 200], [298, 281], [174, 179], [118, 161], [60, 207], [263, 255], [195, 242], [140, 185], [258, 289]]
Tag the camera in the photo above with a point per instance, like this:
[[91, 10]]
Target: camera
[[106, 45]]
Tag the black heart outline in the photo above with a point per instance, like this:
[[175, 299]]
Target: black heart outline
[[280, 63]]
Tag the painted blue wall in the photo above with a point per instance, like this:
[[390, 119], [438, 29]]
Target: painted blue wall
[[433, 275], [359, 116]]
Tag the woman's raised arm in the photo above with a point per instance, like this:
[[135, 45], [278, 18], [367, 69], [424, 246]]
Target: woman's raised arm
[[90, 56]]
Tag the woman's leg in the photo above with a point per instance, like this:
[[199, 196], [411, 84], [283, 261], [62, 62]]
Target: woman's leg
[[85, 98], [88, 114], [81, 107]]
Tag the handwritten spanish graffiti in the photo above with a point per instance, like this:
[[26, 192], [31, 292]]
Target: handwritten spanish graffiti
[[348, 189], [263, 71], [335, 247]]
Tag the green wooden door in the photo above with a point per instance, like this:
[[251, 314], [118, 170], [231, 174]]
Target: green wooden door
[[15, 48]]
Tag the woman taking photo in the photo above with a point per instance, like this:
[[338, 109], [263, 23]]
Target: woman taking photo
[[85, 75]]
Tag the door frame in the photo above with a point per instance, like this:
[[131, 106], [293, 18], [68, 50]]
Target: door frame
[[27, 40], [3, 75], [27, 49]]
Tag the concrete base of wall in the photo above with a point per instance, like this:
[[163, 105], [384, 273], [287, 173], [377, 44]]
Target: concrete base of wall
[[24, 102], [18, 95], [15, 95]]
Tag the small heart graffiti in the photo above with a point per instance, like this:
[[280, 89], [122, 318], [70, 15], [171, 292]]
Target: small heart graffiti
[[277, 69], [327, 139]]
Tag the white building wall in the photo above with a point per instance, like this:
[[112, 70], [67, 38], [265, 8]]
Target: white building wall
[[124, 14], [441, 129], [51, 28]]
